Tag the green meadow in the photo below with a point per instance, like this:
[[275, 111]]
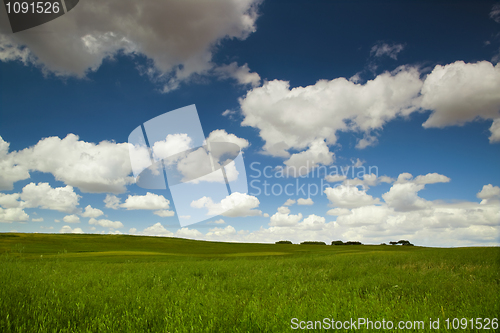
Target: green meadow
[[118, 283]]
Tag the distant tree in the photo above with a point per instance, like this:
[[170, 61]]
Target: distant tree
[[383, 244], [393, 243], [312, 243], [353, 243], [405, 242], [284, 242], [338, 242]]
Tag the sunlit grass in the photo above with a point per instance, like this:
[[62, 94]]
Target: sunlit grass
[[175, 285]]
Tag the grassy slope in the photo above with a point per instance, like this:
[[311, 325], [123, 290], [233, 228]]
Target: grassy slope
[[138, 284]]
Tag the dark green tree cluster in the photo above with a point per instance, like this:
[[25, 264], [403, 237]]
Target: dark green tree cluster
[[339, 242], [402, 242], [284, 242], [312, 243]]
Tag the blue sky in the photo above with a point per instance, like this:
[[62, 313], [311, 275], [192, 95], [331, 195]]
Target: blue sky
[[406, 93]]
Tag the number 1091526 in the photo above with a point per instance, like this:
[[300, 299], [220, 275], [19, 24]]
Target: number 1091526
[[39, 7]]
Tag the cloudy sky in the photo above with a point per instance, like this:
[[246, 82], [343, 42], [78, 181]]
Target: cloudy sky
[[357, 120]]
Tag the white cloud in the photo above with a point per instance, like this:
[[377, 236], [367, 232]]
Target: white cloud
[[221, 135], [241, 74], [40, 219], [10, 215], [177, 37], [335, 178], [172, 145], [302, 163], [42, 195], [220, 221], [337, 105], [188, 233], [164, 213], [461, 92], [403, 197], [234, 205], [384, 49], [338, 211], [489, 193], [92, 212], [289, 202], [92, 168], [495, 131], [132, 230], [149, 201], [112, 201], [221, 232], [10, 200], [495, 13], [349, 197], [431, 178], [307, 201], [283, 218], [10, 170], [68, 230], [106, 223], [157, 230], [71, 219]]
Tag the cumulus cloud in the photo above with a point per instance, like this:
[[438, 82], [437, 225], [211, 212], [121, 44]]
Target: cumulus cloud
[[172, 145], [307, 201], [157, 230], [71, 219], [220, 221], [106, 223], [149, 201], [455, 93], [335, 178], [349, 197], [9, 215], [92, 168], [495, 131], [62, 199], [164, 213], [289, 202], [461, 92], [10, 170], [489, 193], [430, 178], [283, 218], [241, 74], [302, 163], [368, 180], [112, 201], [404, 198], [338, 211], [384, 49], [234, 205], [188, 233], [177, 37], [92, 212], [68, 230], [10, 200], [40, 219], [277, 111], [221, 232]]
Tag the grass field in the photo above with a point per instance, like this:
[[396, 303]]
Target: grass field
[[116, 283]]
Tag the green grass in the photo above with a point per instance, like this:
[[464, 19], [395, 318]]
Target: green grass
[[97, 283]]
